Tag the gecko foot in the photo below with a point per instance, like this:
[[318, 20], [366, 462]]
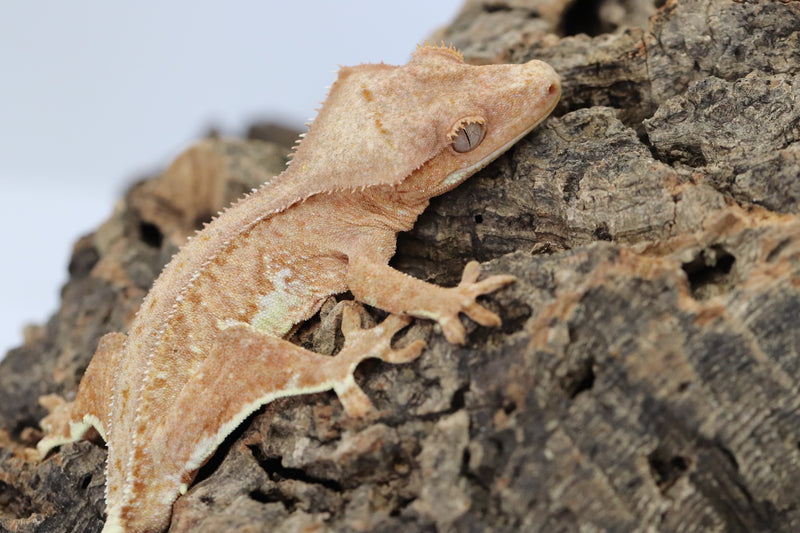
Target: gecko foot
[[55, 424], [462, 299], [360, 344]]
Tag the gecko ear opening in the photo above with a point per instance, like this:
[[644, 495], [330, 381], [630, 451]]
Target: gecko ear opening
[[467, 134]]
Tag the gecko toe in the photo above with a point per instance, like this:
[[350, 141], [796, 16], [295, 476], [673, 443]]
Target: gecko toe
[[453, 330], [471, 272], [355, 402], [351, 322], [493, 283], [394, 323], [407, 354], [483, 316]]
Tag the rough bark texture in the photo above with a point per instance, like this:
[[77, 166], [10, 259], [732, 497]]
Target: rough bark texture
[[645, 377]]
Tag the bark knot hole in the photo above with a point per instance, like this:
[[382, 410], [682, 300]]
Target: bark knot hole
[[150, 234], [579, 379], [709, 273], [666, 468]]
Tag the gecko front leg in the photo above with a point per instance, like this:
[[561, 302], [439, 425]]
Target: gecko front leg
[[384, 287]]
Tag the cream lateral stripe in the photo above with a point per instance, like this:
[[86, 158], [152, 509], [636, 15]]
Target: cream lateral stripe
[[206, 446]]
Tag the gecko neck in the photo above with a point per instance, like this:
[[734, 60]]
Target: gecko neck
[[391, 207]]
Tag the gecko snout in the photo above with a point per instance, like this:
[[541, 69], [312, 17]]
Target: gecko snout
[[543, 79]]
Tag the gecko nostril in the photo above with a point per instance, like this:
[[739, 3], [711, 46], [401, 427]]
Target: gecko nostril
[[551, 89]]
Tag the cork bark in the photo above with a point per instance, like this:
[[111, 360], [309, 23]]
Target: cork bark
[[645, 376]]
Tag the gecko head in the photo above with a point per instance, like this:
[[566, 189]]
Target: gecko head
[[489, 108], [423, 127]]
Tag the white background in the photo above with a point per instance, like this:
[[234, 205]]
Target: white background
[[96, 94]]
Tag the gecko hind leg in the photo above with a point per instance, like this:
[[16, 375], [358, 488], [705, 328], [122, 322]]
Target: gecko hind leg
[[360, 344], [249, 369], [244, 370]]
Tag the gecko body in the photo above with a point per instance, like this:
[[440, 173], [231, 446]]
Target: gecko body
[[206, 348]]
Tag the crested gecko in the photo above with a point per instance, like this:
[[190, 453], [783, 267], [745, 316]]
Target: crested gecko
[[386, 140]]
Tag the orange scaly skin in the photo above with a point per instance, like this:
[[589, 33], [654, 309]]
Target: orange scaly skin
[[206, 347]]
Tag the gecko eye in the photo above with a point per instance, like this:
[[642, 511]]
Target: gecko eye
[[467, 135]]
